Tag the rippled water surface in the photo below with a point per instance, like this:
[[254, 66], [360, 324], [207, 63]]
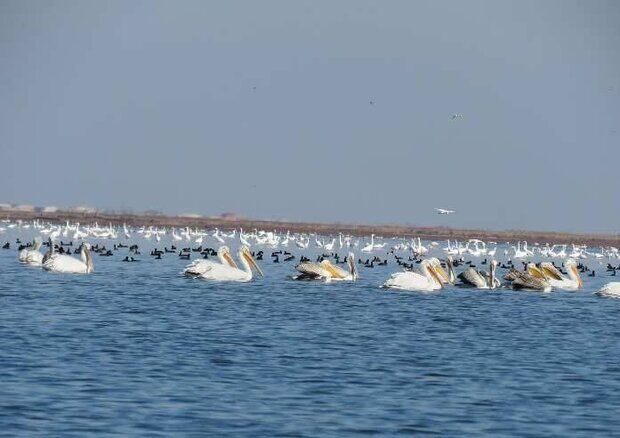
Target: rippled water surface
[[136, 349]]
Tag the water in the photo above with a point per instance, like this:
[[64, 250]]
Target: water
[[136, 349]]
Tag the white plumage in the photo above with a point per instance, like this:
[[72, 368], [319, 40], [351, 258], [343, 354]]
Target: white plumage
[[70, 265], [227, 269]]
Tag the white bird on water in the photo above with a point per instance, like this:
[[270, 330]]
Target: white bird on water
[[227, 270], [70, 265], [32, 255], [428, 280], [557, 280], [610, 290]]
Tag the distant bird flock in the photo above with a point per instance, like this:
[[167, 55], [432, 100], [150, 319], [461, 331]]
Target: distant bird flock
[[420, 266]]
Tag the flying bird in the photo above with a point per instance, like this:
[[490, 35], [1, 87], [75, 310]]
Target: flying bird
[[444, 211], [456, 116]]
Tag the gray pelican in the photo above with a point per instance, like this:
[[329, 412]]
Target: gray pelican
[[480, 279], [326, 271], [532, 279]]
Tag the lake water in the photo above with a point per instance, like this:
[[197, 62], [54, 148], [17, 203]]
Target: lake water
[[137, 349]]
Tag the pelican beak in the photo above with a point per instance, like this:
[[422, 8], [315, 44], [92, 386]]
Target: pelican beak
[[549, 273], [252, 263], [435, 275], [577, 276], [229, 259], [442, 273], [535, 272], [327, 265]]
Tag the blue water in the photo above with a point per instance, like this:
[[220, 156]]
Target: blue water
[[136, 349]]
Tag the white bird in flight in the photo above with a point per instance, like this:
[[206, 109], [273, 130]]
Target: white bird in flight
[[444, 211]]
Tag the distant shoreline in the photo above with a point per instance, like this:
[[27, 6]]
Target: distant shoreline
[[426, 233]]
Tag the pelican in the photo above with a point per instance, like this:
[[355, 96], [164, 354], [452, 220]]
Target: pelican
[[555, 278], [480, 279], [532, 279], [199, 267], [326, 271], [70, 265], [610, 290], [429, 280], [227, 270], [32, 255]]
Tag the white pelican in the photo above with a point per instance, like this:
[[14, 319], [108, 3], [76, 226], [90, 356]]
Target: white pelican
[[444, 277], [610, 290], [480, 279], [557, 280], [326, 271], [70, 265], [227, 270], [199, 267], [429, 280], [32, 255]]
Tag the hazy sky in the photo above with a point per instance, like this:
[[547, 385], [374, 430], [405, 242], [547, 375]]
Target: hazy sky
[[263, 108]]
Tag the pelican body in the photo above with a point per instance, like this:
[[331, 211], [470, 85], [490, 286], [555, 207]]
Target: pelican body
[[480, 279], [227, 270], [557, 280], [428, 280], [610, 290], [533, 279], [326, 271]]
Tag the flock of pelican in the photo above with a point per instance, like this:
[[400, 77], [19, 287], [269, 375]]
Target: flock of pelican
[[432, 274]]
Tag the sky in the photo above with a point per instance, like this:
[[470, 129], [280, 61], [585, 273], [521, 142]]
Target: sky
[[264, 109]]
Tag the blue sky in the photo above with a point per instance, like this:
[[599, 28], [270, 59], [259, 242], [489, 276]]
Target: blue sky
[[263, 108]]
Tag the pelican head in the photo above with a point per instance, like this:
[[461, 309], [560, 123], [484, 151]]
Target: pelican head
[[352, 266], [571, 268], [450, 265], [428, 268], [223, 253], [439, 271], [244, 253], [534, 271], [87, 257], [492, 279]]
